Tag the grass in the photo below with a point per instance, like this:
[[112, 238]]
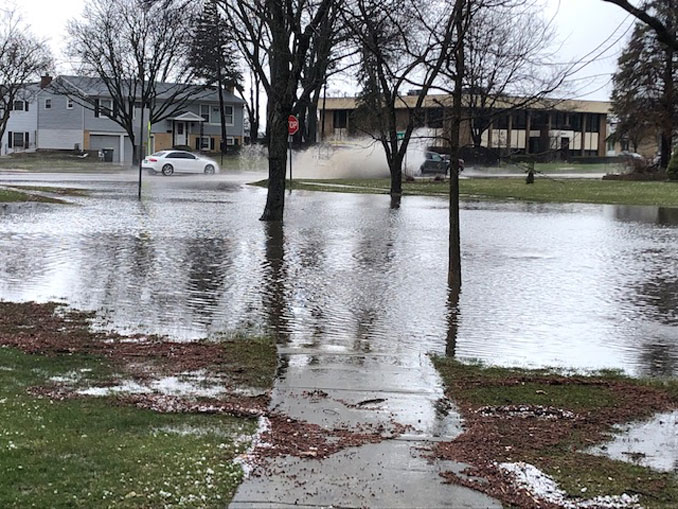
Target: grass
[[103, 451], [14, 196], [63, 191], [600, 400], [664, 194]]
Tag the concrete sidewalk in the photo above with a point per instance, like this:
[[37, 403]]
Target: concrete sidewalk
[[362, 389]]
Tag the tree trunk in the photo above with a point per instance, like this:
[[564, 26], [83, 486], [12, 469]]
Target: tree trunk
[[454, 263], [669, 107], [277, 165], [312, 125], [223, 146], [395, 166]]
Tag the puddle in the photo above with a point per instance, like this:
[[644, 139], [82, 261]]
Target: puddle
[[652, 443]]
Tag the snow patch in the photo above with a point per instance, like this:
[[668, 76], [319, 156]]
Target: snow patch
[[246, 460], [542, 486], [170, 386]]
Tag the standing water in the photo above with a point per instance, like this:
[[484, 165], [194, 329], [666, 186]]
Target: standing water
[[578, 286]]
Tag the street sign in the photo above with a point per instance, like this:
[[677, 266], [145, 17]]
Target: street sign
[[292, 125], [401, 135]]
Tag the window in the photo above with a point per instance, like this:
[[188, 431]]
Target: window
[[48, 104], [180, 155], [106, 107], [212, 115], [592, 123], [20, 140], [205, 112], [520, 120], [228, 113], [340, 119], [69, 104], [180, 128], [18, 106], [502, 122], [230, 140], [204, 142], [435, 118]]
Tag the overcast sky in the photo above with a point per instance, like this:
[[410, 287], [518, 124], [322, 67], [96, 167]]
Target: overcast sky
[[582, 26]]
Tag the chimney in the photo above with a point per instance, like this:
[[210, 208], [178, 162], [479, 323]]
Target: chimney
[[45, 80]]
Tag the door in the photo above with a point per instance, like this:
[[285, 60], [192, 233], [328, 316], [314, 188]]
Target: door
[[181, 133], [564, 148]]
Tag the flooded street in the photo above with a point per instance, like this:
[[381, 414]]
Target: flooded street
[[579, 286]]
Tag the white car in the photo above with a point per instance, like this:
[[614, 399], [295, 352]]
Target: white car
[[169, 162]]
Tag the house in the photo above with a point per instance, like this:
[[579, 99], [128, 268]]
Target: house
[[568, 128], [72, 113], [21, 127]]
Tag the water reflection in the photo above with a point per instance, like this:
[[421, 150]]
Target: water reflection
[[581, 286]]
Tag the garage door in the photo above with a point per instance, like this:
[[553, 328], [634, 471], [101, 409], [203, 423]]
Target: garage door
[[97, 141]]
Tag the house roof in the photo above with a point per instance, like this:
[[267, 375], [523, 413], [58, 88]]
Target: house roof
[[440, 100], [96, 87]]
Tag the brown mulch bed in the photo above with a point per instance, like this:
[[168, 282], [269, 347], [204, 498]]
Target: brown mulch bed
[[505, 434]]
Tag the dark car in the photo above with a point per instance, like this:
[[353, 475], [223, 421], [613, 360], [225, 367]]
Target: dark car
[[437, 163]]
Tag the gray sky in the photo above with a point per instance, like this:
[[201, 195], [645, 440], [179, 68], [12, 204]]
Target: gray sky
[[582, 26]]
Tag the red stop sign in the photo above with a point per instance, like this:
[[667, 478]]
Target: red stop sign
[[292, 125]]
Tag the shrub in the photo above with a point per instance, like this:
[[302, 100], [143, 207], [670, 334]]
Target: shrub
[[672, 169]]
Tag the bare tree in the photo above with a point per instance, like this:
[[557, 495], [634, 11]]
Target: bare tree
[[645, 12], [508, 62], [23, 58], [283, 29], [136, 50], [403, 44]]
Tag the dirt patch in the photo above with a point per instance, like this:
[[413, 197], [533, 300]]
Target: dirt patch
[[543, 435]]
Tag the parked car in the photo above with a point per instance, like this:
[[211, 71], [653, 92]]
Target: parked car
[[169, 162], [437, 163]]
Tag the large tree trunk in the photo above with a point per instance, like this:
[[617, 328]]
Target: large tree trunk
[[454, 264], [669, 108], [312, 125], [277, 165], [395, 166]]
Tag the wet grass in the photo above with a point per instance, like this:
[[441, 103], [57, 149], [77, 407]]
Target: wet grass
[[63, 191], [664, 194], [14, 196], [65, 451], [92, 453], [599, 401]]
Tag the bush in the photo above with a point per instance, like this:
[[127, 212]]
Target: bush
[[672, 169]]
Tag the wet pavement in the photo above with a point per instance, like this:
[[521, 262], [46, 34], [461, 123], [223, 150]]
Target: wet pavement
[[355, 294]]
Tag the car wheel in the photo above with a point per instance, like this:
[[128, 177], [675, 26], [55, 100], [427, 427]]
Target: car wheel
[[209, 169], [167, 170]]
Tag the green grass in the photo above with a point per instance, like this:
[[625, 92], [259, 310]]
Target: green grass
[[91, 452], [63, 191], [14, 196], [664, 194], [254, 360], [476, 385]]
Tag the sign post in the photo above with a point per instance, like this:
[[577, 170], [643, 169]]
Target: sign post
[[292, 129]]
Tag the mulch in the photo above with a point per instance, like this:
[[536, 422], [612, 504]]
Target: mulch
[[495, 435]]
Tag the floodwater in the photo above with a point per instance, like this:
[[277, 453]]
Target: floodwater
[[577, 286]]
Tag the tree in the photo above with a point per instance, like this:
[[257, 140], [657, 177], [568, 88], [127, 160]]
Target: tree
[[282, 29], [643, 95], [666, 32], [507, 62], [23, 58], [136, 49], [403, 44], [213, 57]]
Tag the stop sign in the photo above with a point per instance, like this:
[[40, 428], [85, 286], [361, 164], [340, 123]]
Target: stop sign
[[292, 125]]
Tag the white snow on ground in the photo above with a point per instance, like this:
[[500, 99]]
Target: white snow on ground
[[245, 460], [170, 385], [543, 487], [127, 387]]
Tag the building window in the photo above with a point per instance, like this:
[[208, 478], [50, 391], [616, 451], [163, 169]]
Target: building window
[[205, 112], [520, 120], [435, 118], [502, 122], [204, 143], [48, 104], [228, 114], [340, 119], [18, 106], [230, 140], [106, 107], [69, 104], [592, 123], [20, 140]]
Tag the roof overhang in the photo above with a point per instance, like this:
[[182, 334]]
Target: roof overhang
[[188, 116]]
